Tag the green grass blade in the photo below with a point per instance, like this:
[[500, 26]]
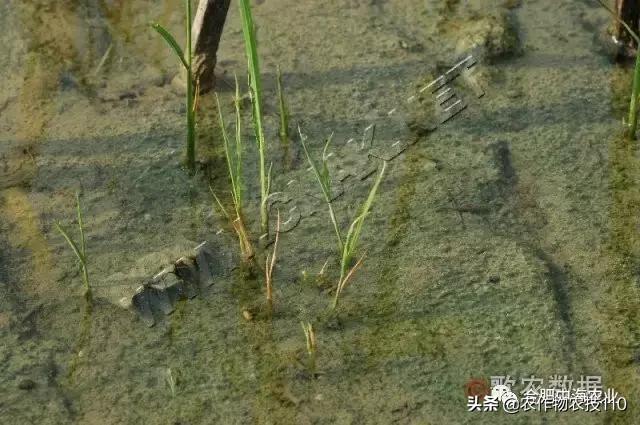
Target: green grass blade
[[166, 35], [191, 113], [186, 60], [191, 127], [326, 176], [324, 181], [83, 242], [269, 177], [633, 104], [355, 229], [255, 90], [321, 174], [71, 243], [236, 102], [189, 19], [222, 208], [227, 154], [349, 247], [251, 47], [356, 226]]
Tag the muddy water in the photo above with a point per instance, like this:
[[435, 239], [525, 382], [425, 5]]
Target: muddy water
[[502, 243]]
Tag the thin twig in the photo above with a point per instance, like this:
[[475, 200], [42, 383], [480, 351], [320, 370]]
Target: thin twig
[[103, 60], [324, 266]]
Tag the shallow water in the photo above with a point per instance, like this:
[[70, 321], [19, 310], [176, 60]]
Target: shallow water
[[502, 243]]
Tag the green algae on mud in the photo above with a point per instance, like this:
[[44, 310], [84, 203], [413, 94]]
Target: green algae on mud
[[621, 304]]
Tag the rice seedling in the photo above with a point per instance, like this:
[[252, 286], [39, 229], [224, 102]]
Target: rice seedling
[[171, 381], [324, 180], [186, 61], [352, 238], [632, 121], [255, 93], [234, 164], [312, 347], [283, 132], [270, 263], [346, 247], [79, 251]]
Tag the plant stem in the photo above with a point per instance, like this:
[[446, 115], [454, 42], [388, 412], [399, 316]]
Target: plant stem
[[88, 296], [191, 137], [334, 221], [83, 248], [255, 88], [83, 242], [238, 189], [633, 106]]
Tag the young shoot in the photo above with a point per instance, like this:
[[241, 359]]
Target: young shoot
[[234, 165], [353, 236], [347, 245], [312, 350], [79, 251], [324, 180], [171, 381], [186, 61]]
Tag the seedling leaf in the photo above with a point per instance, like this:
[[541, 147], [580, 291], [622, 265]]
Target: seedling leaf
[[166, 35], [71, 243]]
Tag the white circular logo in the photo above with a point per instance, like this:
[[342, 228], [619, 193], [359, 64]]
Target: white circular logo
[[502, 393]]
